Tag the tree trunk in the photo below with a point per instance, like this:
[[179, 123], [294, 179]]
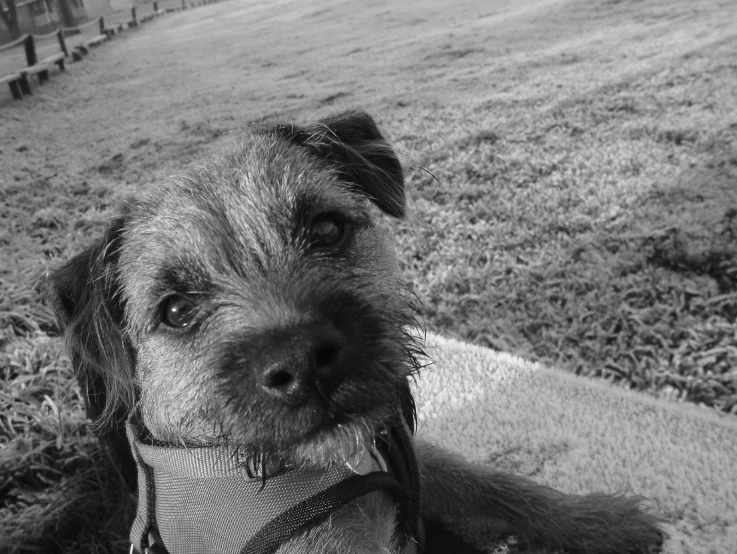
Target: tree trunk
[[10, 18], [67, 15]]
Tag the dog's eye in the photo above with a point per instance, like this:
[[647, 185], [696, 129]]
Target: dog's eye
[[326, 231], [177, 311]]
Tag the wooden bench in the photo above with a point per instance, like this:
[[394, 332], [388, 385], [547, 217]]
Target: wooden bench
[[50, 49], [144, 12], [81, 38], [117, 22], [13, 81], [18, 62], [11, 63], [166, 6], [40, 69]]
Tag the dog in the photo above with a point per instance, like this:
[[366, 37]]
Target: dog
[[253, 305]]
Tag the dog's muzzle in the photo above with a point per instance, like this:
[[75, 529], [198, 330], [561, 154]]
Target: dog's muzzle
[[196, 500]]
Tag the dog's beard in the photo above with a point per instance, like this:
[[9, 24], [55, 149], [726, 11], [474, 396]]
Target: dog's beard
[[334, 445], [327, 446], [319, 430], [308, 435]]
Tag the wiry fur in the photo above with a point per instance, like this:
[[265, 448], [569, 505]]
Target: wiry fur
[[232, 237]]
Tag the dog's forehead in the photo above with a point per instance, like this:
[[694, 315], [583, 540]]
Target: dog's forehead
[[240, 208]]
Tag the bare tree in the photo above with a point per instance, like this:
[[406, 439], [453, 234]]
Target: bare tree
[[9, 15], [67, 15]]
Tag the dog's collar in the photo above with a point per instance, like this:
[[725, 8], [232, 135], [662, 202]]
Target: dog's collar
[[194, 500]]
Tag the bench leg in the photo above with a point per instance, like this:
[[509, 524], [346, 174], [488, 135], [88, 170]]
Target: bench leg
[[15, 90], [43, 76], [60, 63], [25, 86]]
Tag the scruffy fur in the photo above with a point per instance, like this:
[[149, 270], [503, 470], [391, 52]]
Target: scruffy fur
[[255, 301]]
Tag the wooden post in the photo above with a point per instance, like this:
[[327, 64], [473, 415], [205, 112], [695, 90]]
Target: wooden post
[[62, 42], [15, 90], [133, 14], [30, 45], [102, 25], [156, 7]]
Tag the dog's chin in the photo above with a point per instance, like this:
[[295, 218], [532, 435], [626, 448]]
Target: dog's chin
[[332, 444], [322, 442]]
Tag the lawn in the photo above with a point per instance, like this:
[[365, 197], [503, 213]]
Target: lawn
[[572, 167]]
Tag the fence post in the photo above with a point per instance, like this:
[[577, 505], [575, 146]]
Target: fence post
[[133, 14], [156, 7], [102, 25], [30, 45], [62, 42]]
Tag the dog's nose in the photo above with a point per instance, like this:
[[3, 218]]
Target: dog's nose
[[297, 362]]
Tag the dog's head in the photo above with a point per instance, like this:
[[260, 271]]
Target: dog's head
[[252, 299]]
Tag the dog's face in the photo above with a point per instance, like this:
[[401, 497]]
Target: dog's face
[[253, 299]]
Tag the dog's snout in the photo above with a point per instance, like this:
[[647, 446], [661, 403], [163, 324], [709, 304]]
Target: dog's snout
[[298, 362]]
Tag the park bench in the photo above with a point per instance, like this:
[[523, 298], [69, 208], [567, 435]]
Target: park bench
[[18, 61], [10, 67], [50, 49], [145, 12], [166, 6], [81, 38], [117, 22]]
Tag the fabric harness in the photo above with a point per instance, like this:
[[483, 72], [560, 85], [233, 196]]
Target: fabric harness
[[202, 499]]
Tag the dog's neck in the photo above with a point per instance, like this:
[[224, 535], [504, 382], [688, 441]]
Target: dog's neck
[[267, 507]]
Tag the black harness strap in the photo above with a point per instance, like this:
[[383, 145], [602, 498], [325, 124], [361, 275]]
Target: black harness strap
[[403, 465], [279, 529], [146, 512]]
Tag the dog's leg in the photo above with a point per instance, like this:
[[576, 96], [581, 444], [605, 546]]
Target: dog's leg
[[457, 494]]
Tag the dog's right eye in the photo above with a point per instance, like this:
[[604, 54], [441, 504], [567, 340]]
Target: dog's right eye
[[177, 311], [327, 232]]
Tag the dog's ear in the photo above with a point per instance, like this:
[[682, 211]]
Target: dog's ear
[[351, 142], [85, 295]]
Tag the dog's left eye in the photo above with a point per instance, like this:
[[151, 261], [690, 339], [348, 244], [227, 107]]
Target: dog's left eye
[[326, 231], [177, 311]]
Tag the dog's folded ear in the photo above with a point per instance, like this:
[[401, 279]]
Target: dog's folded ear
[[352, 143], [85, 296]]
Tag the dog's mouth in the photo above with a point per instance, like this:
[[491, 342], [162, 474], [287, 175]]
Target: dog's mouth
[[318, 432], [328, 441], [329, 444], [308, 393]]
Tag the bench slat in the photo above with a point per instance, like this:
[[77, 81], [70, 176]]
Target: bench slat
[[94, 41], [34, 69], [53, 58], [8, 78]]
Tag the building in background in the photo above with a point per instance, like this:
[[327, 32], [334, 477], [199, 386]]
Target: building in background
[[44, 16]]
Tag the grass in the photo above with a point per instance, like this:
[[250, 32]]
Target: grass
[[590, 237], [571, 166]]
